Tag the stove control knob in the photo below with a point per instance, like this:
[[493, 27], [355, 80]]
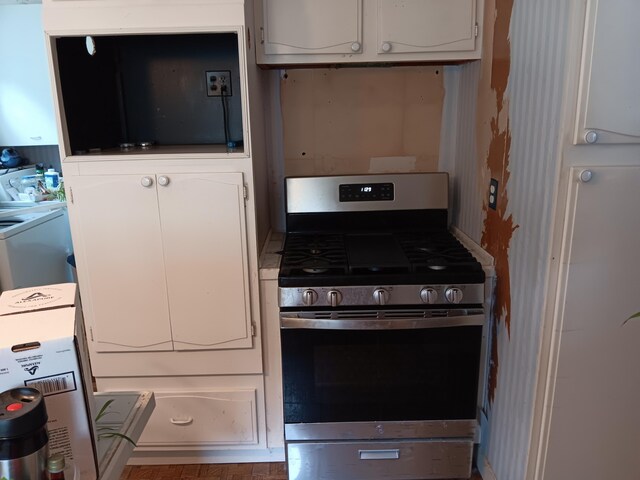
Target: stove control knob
[[380, 296], [309, 297], [429, 295], [453, 295], [334, 297]]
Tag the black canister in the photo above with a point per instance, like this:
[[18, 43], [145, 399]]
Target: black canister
[[24, 441]]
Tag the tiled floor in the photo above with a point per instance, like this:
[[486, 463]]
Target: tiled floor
[[228, 471]]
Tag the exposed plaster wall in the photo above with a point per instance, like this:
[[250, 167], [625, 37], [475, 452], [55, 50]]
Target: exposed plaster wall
[[361, 120]]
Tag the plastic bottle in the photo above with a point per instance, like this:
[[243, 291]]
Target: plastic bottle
[[40, 172], [55, 467], [51, 179]]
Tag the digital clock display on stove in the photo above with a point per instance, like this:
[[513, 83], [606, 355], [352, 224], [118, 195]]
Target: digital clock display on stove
[[366, 192]]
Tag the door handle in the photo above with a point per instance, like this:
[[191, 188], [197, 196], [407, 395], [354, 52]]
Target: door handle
[[181, 421]]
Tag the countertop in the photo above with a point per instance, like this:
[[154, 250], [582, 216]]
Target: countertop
[[270, 258]]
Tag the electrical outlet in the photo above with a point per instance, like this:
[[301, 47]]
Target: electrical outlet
[[493, 193], [219, 83]]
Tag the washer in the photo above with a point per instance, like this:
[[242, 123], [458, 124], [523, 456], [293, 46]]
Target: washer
[[34, 248]]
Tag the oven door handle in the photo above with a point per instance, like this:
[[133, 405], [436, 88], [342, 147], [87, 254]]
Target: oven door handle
[[409, 323]]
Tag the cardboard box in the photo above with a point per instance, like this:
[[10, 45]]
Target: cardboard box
[[43, 345]]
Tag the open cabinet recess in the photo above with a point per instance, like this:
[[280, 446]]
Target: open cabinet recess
[[132, 94]]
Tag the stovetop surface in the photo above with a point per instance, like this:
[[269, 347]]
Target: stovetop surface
[[368, 258]]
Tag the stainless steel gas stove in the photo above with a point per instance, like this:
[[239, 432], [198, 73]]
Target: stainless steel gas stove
[[382, 328]]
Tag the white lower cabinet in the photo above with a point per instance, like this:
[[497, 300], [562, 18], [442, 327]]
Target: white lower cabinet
[[162, 260], [202, 419]]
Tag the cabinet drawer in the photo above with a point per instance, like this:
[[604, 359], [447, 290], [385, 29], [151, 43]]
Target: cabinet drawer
[[202, 419], [426, 459]]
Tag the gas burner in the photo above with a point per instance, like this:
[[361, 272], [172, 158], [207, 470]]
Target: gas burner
[[315, 270]]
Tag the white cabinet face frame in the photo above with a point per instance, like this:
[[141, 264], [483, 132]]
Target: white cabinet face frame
[[303, 27], [608, 109]]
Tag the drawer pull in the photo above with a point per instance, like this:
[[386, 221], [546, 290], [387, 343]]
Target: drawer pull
[[182, 421], [391, 454]]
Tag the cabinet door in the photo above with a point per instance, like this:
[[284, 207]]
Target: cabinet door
[[406, 26], [203, 229], [594, 422], [609, 104], [118, 245], [310, 26], [26, 107]]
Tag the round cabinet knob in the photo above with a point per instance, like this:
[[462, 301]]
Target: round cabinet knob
[[586, 176], [355, 47], [146, 181], [163, 181], [591, 136], [428, 295], [309, 297], [334, 297], [380, 296], [453, 295], [386, 47]]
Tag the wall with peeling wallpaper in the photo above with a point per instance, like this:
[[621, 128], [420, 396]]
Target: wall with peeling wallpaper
[[514, 138]]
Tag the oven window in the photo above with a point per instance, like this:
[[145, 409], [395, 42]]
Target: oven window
[[390, 375]]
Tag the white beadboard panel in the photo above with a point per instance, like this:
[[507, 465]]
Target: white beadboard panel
[[458, 153], [538, 37]]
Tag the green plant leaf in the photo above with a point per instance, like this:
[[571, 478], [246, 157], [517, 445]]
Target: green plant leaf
[[108, 432], [635, 315], [103, 410], [116, 434]]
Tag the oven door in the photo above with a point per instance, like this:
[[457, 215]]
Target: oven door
[[368, 367]]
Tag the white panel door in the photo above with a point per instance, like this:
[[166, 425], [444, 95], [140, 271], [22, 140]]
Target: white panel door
[[117, 241], [595, 419], [406, 26], [609, 103], [312, 26], [204, 233]]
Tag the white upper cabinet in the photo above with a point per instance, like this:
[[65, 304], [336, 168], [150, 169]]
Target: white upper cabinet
[[294, 27], [26, 106], [359, 31], [608, 101]]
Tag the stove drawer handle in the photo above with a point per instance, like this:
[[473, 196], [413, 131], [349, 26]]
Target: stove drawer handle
[[390, 454]]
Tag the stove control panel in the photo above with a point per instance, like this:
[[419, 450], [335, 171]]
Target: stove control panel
[[381, 295]]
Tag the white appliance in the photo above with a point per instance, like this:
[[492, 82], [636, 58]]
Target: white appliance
[[34, 248]]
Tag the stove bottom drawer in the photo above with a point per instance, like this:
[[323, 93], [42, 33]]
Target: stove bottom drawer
[[412, 459]]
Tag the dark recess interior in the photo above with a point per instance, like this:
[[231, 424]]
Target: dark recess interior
[[148, 88]]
